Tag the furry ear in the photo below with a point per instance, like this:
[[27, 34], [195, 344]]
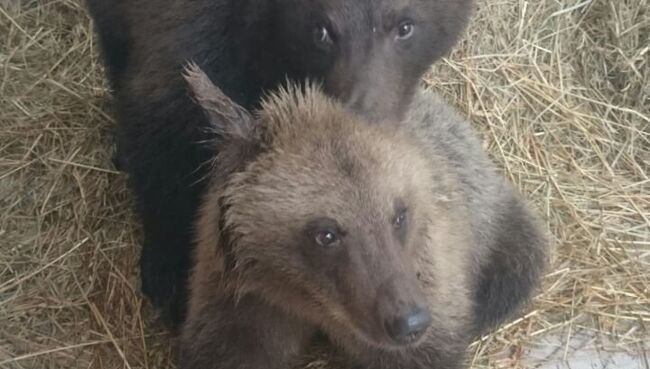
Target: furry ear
[[229, 120]]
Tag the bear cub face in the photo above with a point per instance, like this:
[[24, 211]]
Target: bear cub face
[[329, 219], [370, 54]]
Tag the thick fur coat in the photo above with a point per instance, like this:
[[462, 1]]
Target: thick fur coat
[[318, 221], [370, 54]]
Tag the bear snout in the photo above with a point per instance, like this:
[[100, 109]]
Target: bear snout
[[407, 328], [403, 310]]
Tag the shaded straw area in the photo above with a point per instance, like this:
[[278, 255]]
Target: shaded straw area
[[560, 91]]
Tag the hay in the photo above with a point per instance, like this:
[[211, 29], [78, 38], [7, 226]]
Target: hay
[[562, 95], [560, 90]]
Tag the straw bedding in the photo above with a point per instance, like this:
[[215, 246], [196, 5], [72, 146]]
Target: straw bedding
[[560, 91]]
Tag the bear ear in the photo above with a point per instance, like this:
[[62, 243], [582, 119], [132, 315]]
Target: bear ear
[[227, 118]]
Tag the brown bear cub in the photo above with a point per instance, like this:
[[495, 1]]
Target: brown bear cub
[[384, 237], [368, 54]]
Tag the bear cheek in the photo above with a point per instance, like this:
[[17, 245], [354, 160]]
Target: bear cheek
[[323, 265]]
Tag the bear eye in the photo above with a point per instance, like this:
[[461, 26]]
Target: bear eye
[[399, 220], [327, 239], [405, 30], [322, 35]]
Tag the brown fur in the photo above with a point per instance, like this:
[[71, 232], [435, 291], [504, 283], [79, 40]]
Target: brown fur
[[260, 290], [368, 54]]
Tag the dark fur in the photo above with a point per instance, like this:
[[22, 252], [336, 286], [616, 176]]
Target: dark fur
[[262, 287], [246, 47], [514, 248]]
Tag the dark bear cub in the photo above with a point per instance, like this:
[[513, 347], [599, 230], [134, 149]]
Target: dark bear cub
[[387, 238], [370, 54]]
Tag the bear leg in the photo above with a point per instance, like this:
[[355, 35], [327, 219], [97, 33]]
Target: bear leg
[[514, 267], [224, 334]]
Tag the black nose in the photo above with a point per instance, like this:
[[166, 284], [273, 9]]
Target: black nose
[[407, 328]]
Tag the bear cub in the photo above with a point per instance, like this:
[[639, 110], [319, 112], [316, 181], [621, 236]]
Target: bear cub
[[397, 241], [369, 54]]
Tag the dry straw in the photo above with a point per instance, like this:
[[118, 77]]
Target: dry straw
[[559, 89]]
